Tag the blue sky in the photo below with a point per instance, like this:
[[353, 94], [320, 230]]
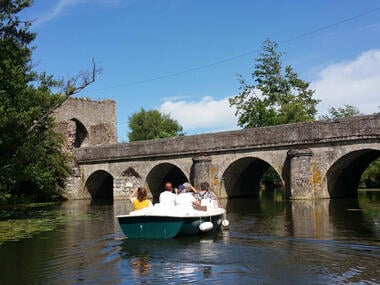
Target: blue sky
[[182, 57]]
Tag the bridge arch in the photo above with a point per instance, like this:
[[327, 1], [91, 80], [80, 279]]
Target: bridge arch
[[243, 176], [344, 175], [162, 173], [100, 185]]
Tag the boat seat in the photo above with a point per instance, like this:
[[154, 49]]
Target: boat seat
[[210, 204]]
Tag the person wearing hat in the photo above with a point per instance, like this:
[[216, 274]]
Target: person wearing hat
[[186, 188], [189, 187], [181, 189], [185, 197]]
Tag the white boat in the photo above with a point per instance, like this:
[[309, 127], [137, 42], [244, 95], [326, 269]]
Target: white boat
[[167, 221]]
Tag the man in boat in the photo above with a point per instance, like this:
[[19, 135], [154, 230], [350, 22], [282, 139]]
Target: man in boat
[[167, 197]]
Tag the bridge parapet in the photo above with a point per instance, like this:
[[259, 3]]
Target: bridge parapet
[[282, 136]]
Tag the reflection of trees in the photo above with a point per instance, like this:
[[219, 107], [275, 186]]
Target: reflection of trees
[[272, 201], [348, 219], [257, 215], [369, 202]]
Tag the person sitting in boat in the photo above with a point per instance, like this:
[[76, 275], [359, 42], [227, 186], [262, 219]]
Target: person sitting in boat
[[185, 197], [167, 197], [141, 200], [204, 194], [188, 188]]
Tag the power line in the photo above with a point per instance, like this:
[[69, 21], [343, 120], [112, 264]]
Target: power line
[[331, 25], [204, 66]]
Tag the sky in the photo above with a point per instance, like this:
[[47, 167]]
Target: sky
[[184, 57]]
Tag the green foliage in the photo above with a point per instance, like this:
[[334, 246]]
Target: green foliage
[[150, 125], [341, 112], [278, 97], [270, 178], [31, 161], [371, 176]]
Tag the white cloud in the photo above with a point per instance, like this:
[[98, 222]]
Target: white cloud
[[353, 82], [57, 9], [206, 115], [63, 5]]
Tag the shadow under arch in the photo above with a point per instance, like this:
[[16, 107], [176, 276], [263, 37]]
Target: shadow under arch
[[81, 134], [100, 185], [242, 178], [162, 173], [343, 176]]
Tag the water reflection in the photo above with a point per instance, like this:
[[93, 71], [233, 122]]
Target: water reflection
[[310, 219], [173, 260], [318, 219], [140, 266], [270, 240]]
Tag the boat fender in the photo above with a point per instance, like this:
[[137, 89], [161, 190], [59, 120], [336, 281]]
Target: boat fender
[[225, 223], [206, 226]]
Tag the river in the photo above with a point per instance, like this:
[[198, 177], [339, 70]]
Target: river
[[269, 241]]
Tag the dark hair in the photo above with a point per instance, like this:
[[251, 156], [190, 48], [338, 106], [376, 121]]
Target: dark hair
[[141, 194], [205, 186], [168, 186]]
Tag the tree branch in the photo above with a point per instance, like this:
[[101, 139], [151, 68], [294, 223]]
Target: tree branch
[[73, 86]]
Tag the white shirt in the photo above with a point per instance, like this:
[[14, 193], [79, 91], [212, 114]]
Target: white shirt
[[185, 199], [167, 198]]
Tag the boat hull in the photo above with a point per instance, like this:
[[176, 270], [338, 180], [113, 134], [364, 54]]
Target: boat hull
[[191, 225], [153, 226], [150, 227]]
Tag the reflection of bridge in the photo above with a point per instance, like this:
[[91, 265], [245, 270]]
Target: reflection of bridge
[[322, 159]]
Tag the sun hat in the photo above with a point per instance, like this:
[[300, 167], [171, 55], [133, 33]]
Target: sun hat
[[181, 188]]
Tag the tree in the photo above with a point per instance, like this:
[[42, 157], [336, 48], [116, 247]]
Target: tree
[[277, 97], [31, 160], [150, 125], [371, 176], [341, 112]]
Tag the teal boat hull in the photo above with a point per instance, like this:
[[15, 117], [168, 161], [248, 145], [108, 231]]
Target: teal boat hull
[[150, 227], [191, 225], [165, 227]]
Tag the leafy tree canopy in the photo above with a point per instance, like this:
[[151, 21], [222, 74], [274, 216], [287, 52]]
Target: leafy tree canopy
[[31, 161], [150, 125], [341, 112], [278, 95], [371, 176]]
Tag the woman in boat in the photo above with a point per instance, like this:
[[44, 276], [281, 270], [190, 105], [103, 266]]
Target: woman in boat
[[188, 188], [204, 193], [141, 200]]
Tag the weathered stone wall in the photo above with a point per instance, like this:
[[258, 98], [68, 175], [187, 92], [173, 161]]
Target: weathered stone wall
[[97, 117], [84, 122]]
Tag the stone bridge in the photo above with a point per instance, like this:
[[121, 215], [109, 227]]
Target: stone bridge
[[322, 159]]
